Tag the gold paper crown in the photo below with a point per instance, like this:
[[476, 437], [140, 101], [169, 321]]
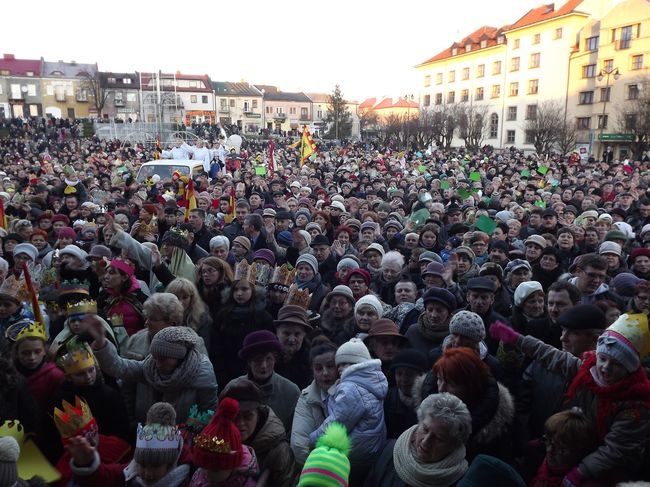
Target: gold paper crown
[[73, 418], [30, 329], [282, 275], [212, 444], [245, 271], [74, 286], [298, 297], [82, 307], [262, 274], [78, 358], [13, 428], [13, 288]]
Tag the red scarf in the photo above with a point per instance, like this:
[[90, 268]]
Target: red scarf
[[635, 388]]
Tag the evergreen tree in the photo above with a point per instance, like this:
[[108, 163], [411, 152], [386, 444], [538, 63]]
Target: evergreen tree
[[338, 118]]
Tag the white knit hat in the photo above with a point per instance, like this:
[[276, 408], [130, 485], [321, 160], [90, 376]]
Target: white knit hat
[[524, 290], [369, 300], [305, 234], [352, 352], [74, 251], [9, 453]]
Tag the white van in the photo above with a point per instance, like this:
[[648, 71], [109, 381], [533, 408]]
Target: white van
[[166, 167]]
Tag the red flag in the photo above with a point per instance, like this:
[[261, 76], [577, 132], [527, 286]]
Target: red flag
[[33, 297], [3, 216], [271, 161]]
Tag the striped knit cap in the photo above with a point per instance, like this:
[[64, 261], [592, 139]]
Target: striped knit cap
[[328, 465]]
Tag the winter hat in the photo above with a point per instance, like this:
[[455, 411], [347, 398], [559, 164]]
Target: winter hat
[[9, 453], [342, 290], [524, 290], [626, 340], [158, 442], [305, 212], [245, 392], [429, 256], [284, 238], [243, 241], [99, 252], [305, 234], [504, 215], [218, 446], [308, 259], [467, 324], [218, 242], [536, 240], [615, 235], [347, 263], [74, 251], [28, 249], [465, 250], [265, 255], [376, 247], [313, 226], [353, 222], [410, 358], [610, 248], [645, 229], [260, 341], [369, 300], [369, 226], [624, 284], [434, 269], [583, 317], [491, 269], [67, 232], [440, 296], [292, 314], [352, 352], [173, 342], [327, 465], [626, 228], [358, 272], [515, 265]]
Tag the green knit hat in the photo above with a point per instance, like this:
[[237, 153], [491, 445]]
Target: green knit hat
[[328, 465]]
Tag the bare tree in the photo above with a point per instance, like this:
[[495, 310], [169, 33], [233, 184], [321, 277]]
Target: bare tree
[[92, 83], [472, 124], [445, 122], [633, 116], [544, 126], [393, 129], [567, 137], [368, 122], [422, 129]]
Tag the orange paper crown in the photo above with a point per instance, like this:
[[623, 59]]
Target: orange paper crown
[[75, 420]]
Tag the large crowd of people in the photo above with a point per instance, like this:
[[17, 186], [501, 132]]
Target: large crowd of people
[[369, 316]]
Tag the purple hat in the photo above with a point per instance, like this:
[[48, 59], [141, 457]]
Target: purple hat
[[265, 255], [260, 341]]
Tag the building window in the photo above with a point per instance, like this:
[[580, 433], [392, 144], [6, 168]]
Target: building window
[[438, 78], [451, 76], [465, 73], [630, 121], [246, 106], [304, 113], [637, 61], [591, 43], [468, 47], [480, 70], [605, 93], [514, 88], [292, 110], [633, 92], [531, 112], [232, 103], [479, 94], [512, 114], [515, 44], [451, 97], [510, 136], [626, 37], [602, 121], [496, 91], [427, 100], [192, 98], [558, 33], [438, 98], [224, 104], [204, 99], [494, 126], [608, 64], [586, 97], [279, 110], [496, 67], [483, 43], [254, 104], [454, 51], [589, 71], [464, 95], [427, 81], [534, 60], [533, 86], [530, 137], [514, 64], [268, 109], [501, 39], [583, 123], [536, 38]]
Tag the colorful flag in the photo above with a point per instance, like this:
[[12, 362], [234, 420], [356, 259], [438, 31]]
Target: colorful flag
[[158, 151], [307, 146], [33, 297], [271, 161], [190, 197], [3, 216]]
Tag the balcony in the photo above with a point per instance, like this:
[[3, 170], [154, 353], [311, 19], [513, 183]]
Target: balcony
[[280, 116], [251, 114]]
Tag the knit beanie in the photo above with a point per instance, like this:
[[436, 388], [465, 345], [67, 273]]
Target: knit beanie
[[173, 342], [9, 453], [305, 234], [67, 232], [347, 263], [159, 442], [74, 251], [313, 226], [305, 212], [370, 300], [524, 290], [243, 241], [352, 352], [610, 248], [218, 446], [26, 248], [625, 340], [467, 324], [284, 238], [308, 259], [624, 284], [327, 465]]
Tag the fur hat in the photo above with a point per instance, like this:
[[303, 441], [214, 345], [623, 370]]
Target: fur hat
[[218, 446], [352, 352], [467, 324]]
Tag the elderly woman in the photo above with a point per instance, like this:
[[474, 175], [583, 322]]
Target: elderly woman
[[432, 326], [174, 371], [292, 328], [308, 277], [311, 409], [529, 305], [391, 270], [429, 453], [367, 310], [220, 248]]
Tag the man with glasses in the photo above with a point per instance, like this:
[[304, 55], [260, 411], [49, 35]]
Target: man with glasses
[[590, 277]]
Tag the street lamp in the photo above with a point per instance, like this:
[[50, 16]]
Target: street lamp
[[605, 74], [409, 99]]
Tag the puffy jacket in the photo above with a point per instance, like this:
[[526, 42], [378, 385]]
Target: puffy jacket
[[309, 415], [357, 401]]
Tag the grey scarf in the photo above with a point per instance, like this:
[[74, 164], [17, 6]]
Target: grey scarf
[[181, 378]]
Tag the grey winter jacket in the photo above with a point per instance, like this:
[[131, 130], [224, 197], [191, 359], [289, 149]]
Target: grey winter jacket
[[357, 401], [310, 413]]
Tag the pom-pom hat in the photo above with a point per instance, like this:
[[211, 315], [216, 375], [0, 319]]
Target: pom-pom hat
[[328, 465], [218, 446]]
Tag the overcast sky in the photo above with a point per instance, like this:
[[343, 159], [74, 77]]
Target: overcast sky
[[369, 48]]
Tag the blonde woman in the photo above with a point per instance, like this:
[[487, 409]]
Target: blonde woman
[[195, 312]]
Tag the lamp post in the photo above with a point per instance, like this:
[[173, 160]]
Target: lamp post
[[409, 99], [605, 74]]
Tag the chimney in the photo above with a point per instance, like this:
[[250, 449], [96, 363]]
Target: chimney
[[9, 57]]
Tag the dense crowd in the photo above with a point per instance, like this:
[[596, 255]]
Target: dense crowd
[[367, 317]]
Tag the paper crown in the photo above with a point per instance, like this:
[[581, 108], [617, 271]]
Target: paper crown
[[74, 286], [13, 428], [14, 289], [197, 420], [298, 297], [75, 420], [78, 357], [262, 274], [158, 437], [26, 329], [87, 306], [282, 275], [634, 327], [245, 271]]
